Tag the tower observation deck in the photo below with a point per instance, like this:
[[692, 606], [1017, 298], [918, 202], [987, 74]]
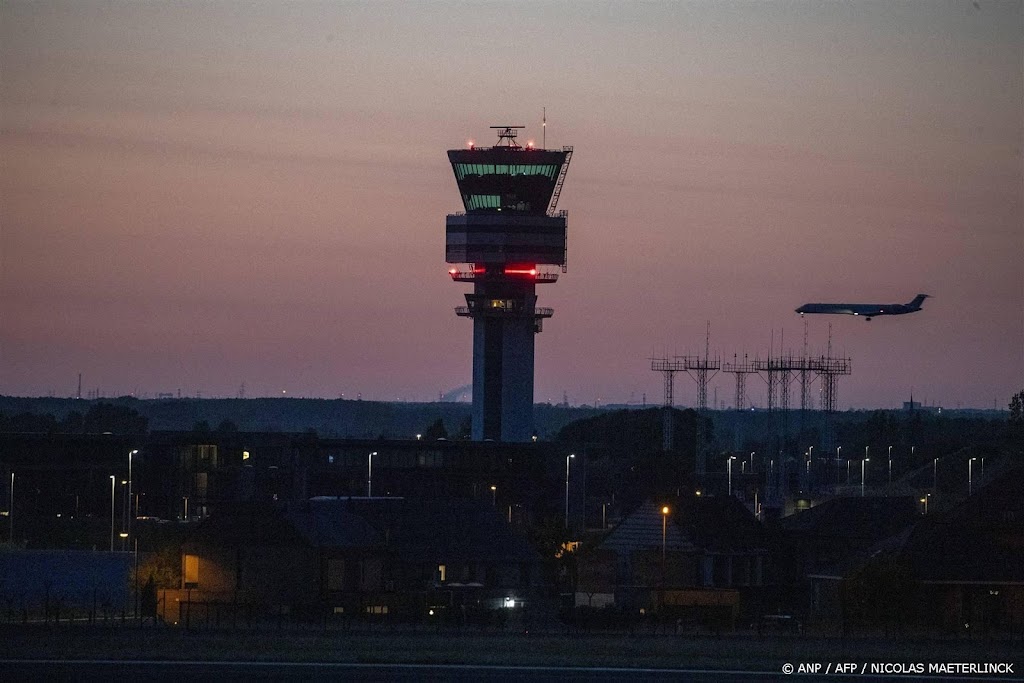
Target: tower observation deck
[[509, 231]]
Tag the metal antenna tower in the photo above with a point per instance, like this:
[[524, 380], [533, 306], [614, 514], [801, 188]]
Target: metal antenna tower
[[669, 368], [702, 370], [805, 377], [830, 369], [741, 370]]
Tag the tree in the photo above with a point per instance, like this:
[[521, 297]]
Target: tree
[[1017, 418], [465, 429], [435, 431], [108, 417]]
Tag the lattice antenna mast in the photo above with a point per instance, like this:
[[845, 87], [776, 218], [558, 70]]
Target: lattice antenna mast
[[668, 367], [805, 376], [830, 369], [702, 369], [740, 369]]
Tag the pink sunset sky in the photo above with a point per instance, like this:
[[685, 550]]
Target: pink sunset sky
[[199, 195]]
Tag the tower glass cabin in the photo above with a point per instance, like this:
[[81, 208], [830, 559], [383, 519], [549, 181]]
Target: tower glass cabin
[[509, 231]]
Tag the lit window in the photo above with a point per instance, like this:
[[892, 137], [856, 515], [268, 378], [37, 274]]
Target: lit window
[[376, 609], [191, 571], [339, 610], [441, 573], [245, 455]]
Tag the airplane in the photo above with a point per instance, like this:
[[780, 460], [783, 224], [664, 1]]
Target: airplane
[[867, 310]]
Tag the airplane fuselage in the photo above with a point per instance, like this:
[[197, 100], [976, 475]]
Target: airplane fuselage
[[865, 310]]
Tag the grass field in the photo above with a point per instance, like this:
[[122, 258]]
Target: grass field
[[731, 652]]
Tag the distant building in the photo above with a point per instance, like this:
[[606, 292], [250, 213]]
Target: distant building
[[960, 571], [363, 557], [715, 567], [64, 480]]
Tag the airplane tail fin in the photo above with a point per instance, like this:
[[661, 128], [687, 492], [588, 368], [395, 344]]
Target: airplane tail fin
[[918, 300]]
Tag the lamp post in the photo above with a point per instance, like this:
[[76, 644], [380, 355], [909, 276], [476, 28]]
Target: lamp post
[[862, 464], [664, 530], [130, 515], [494, 495], [810, 466], [890, 465], [752, 453], [369, 475], [838, 451], [111, 513], [125, 505], [970, 476], [571, 455], [935, 474], [729, 464]]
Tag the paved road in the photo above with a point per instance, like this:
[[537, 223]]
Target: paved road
[[107, 670]]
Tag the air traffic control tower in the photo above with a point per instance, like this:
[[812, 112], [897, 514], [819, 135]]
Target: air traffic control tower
[[508, 233]]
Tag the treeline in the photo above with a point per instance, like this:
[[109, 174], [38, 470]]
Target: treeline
[[335, 418], [98, 418]]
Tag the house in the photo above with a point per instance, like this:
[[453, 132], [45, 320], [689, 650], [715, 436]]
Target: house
[[704, 557], [959, 571], [409, 558]]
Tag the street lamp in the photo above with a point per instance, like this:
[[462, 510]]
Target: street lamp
[[752, 454], [494, 495], [970, 476], [838, 450], [729, 463], [111, 513], [369, 476], [124, 511], [664, 529], [862, 463], [571, 455], [890, 465], [935, 475], [130, 515]]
